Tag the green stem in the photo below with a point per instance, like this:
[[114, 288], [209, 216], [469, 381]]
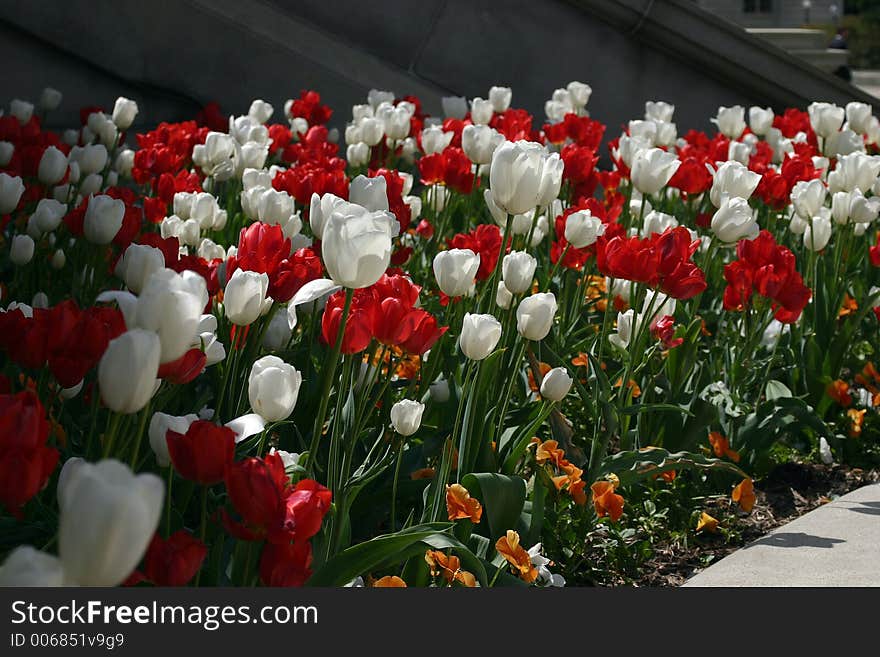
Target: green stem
[[327, 381]]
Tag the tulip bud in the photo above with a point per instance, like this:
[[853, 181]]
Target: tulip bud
[[734, 221], [160, 424], [320, 210], [371, 193], [127, 370], [479, 335], [108, 516], [124, 112], [518, 270], [260, 111], [21, 110], [731, 121], [171, 305], [245, 296], [406, 416], [22, 250], [503, 297], [356, 245], [137, 264], [523, 176], [760, 120], [454, 107], [50, 99], [103, 219], [435, 139], [40, 300], [71, 392], [579, 93], [455, 270], [733, 179], [27, 566], [858, 116], [479, 142], [91, 185], [826, 118], [59, 259], [7, 150], [358, 154], [53, 166], [652, 168], [825, 451], [372, 131], [657, 223], [500, 98], [556, 384], [481, 111], [807, 197], [583, 229], [11, 189], [534, 315], [659, 111], [817, 234], [273, 387]]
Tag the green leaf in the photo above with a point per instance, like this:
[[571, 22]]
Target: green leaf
[[502, 498], [362, 558], [636, 465]]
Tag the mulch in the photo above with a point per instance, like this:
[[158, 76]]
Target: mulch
[[789, 491]]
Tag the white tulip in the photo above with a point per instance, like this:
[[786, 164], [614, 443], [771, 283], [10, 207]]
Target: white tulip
[[734, 221], [137, 264], [27, 566], [761, 120], [500, 98], [826, 118], [245, 296], [370, 193], [108, 517], [406, 416], [11, 189], [518, 271], [817, 234], [731, 121], [127, 371], [103, 219], [273, 388], [556, 384], [583, 229], [652, 169], [21, 250], [534, 315], [53, 166], [455, 270], [479, 335], [733, 179], [356, 244]]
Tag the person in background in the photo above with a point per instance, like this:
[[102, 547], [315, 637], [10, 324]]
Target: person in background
[[839, 42]]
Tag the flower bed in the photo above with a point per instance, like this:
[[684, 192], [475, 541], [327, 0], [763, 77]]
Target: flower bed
[[463, 354]]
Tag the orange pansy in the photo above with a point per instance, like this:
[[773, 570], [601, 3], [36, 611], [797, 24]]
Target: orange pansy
[[707, 523], [449, 567], [839, 391], [422, 473], [849, 306], [744, 495], [548, 451], [633, 386], [390, 582], [856, 419], [460, 504], [721, 447], [606, 501], [508, 547], [581, 360]]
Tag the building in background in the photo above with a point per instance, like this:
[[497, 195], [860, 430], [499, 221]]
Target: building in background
[[776, 13]]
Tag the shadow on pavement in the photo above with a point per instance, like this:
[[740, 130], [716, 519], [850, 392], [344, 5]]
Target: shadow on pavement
[[796, 540]]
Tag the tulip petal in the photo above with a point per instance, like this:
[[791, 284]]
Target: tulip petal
[[126, 301], [246, 426], [313, 290]]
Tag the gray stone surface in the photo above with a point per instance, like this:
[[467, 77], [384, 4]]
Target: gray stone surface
[[837, 544], [175, 55]]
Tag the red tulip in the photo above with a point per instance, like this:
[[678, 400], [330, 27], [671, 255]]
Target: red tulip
[[203, 452], [175, 561], [286, 564]]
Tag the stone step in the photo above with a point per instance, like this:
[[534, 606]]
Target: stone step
[[792, 38]]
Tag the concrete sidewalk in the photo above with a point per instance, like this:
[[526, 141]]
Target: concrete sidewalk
[[837, 544]]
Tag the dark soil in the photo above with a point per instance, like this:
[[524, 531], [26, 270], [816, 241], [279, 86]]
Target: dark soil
[[789, 491]]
